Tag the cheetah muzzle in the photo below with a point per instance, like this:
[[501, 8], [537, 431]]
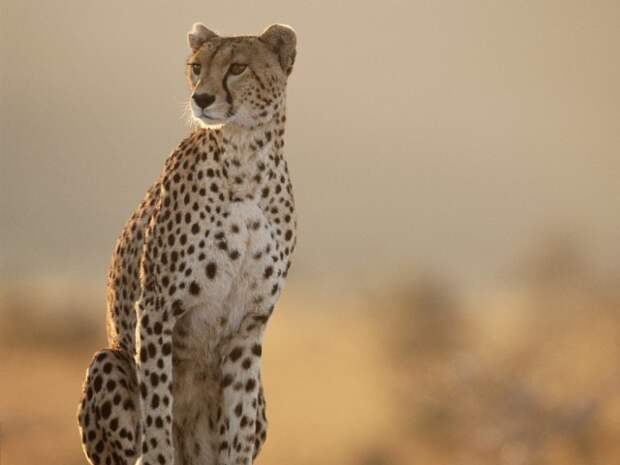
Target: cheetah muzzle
[[197, 270]]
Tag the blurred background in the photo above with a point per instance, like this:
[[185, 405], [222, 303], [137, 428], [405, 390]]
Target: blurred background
[[455, 296]]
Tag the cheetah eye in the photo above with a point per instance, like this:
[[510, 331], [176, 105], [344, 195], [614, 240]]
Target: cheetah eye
[[237, 68], [196, 68]]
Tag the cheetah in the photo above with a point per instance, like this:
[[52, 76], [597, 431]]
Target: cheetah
[[197, 270]]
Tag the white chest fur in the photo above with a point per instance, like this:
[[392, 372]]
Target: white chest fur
[[219, 314]]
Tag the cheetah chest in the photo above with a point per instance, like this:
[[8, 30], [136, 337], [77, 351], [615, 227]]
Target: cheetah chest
[[239, 273]]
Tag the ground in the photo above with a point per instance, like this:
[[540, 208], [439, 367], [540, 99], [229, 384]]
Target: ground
[[52, 375], [417, 374]]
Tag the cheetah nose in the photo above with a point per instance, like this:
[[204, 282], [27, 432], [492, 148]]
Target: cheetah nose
[[203, 100]]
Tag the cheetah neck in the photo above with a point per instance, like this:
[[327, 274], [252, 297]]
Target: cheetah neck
[[251, 157], [244, 143]]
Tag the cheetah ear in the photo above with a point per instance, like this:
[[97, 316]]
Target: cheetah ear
[[281, 40], [198, 36]]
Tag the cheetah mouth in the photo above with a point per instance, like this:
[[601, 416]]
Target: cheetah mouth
[[211, 116], [211, 120]]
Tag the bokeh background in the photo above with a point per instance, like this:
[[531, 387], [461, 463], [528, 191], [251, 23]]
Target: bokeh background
[[455, 297]]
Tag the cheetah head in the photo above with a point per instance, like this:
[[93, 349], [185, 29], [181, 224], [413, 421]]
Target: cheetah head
[[239, 80]]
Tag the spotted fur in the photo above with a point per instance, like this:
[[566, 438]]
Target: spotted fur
[[197, 271]]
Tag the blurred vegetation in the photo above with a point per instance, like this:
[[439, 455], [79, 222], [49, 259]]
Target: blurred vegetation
[[419, 373], [526, 377]]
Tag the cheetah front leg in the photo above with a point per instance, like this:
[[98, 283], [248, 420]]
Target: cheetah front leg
[[156, 319], [242, 423]]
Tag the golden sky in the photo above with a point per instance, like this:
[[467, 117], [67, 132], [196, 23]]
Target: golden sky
[[439, 135]]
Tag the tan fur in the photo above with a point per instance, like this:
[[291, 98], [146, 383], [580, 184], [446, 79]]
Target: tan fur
[[252, 97], [197, 272]]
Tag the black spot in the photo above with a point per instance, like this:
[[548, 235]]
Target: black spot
[[166, 348], [236, 353], [257, 350], [177, 307], [227, 380], [106, 410], [97, 384], [250, 385], [238, 409], [211, 270], [247, 363], [194, 288], [114, 424]]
